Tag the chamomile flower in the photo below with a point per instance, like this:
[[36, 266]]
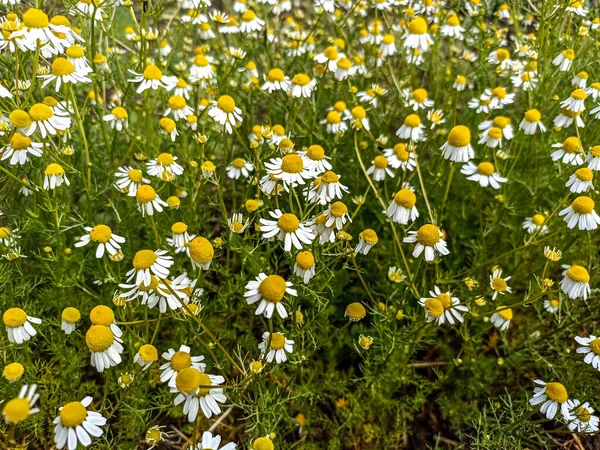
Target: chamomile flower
[[575, 282], [532, 122], [275, 345], [580, 80], [501, 58], [400, 157], [417, 36], [553, 396], [177, 361], [201, 253], [576, 101], [164, 167], [13, 372], [326, 188], [270, 291], [402, 209], [103, 236], [21, 407], [428, 238], [304, 266], [36, 29], [201, 69], [76, 425], [452, 28], [460, 83], [179, 108], [388, 46], [290, 169], [198, 391], [250, 23], [288, 228], [117, 119], [577, 7], [442, 307], [484, 173], [276, 80], [148, 200], [152, 78], [302, 86], [458, 146], [412, 129], [583, 419], [236, 223], [329, 57], [567, 117], [20, 149], [564, 60], [145, 356], [337, 215], [593, 158], [129, 180], [366, 240], [48, 121], [359, 119], [581, 213], [502, 317], [147, 263], [436, 117], [180, 237], [551, 306], [380, 168], [498, 284], [239, 167], [535, 223], [492, 138], [105, 347], [525, 81], [70, 316], [19, 325], [581, 180], [225, 113], [593, 90], [569, 152], [417, 99]]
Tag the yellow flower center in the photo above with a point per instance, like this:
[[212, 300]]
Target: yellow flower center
[[35, 18], [333, 117], [533, 116], [405, 198], [495, 133], [19, 118], [369, 236], [388, 39], [144, 259], [380, 162], [251, 205], [305, 260], [248, 16], [136, 176], [54, 169], [148, 352], [16, 410], [102, 315], [177, 102], [338, 209], [583, 205], [315, 152], [502, 54], [417, 26], [180, 361], [14, 317], [428, 235], [73, 414], [556, 392], [292, 163], [499, 92], [288, 223], [166, 124], [239, 163], [100, 233], [71, 315], [583, 414], [498, 284], [584, 174], [358, 112], [301, 79], [201, 250], [165, 159], [62, 67], [356, 311], [538, 219], [151, 72], [145, 194], [340, 106], [263, 443], [120, 113], [571, 145], [272, 288], [526, 77], [434, 307], [485, 168], [329, 177], [20, 142], [40, 112], [412, 121], [13, 371], [445, 299], [276, 75], [188, 380], [501, 122], [578, 94], [578, 274], [179, 228], [226, 104], [331, 53], [277, 341], [201, 61], [453, 21], [459, 136], [504, 312], [99, 338], [75, 51], [419, 95], [595, 346]]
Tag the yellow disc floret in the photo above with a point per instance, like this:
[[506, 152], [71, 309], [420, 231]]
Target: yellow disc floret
[[99, 338]]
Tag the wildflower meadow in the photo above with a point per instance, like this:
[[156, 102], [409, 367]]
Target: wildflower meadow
[[299, 224]]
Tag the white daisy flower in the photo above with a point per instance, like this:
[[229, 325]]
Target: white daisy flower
[[582, 417], [117, 119], [581, 180], [239, 167], [498, 284], [104, 237], [304, 266], [69, 318], [483, 173], [20, 149], [288, 228], [337, 215], [502, 317], [152, 78], [290, 169], [76, 425], [442, 307], [593, 158], [276, 80], [535, 223], [129, 180], [177, 361], [326, 188], [366, 240], [210, 442], [575, 282], [575, 102], [552, 396], [417, 36], [250, 23], [329, 58], [21, 407], [402, 209], [164, 167], [315, 159], [429, 239], [19, 325], [105, 347], [148, 200], [412, 129], [532, 122], [147, 263], [302, 86], [278, 346], [564, 60], [551, 306], [196, 390], [581, 213], [270, 290], [569, 152], [399, 157], [380, 168], [225, 113], [458, 146], [145, 356]]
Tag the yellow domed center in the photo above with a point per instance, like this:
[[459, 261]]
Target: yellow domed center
[[73, 414], [20, 142], [292, 163], [434, 307], [35, 18], [165, 159], [54, 169], [330, 177], [102, 315], [62, 67], [331, 53], [151, 72], [180, 361], [453, 21], [226, 104], [428, 235], [144, 259], [248, 16], [277, 341], [176, 102], [315, 152], [578, 274], [71, 315], [305, 260], [148, 352], [533, 116], [135, 175], [75, 51], [276, 75], [499, 285], [100, 233], [459, 136], [99, 338], [499, 92], [338, 209], [556, 392], [369, 236], [145, 194], [405, 198], [301, 79], [445, 299], [263, 443], [419, 95], [583, 205], [14, 317], [412, 121], [495, 133], [485, 168], [578, 94], [538, 219], [120, 113], [201, 250], [179, 228], [504, 312], [288, 223], [20, 118], [40, 112], [417, 26], [584, 174], [188, 380], [571, 145], [380, 162], [333, 117], [16, 410], [272, 288]]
